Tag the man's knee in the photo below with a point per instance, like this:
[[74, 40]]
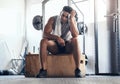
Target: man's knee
[[44, 41], [75, 39]]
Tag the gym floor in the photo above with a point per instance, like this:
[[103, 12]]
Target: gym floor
[[87, 80]]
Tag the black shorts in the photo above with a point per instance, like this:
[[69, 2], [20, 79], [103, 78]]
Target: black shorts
[[61, 49]]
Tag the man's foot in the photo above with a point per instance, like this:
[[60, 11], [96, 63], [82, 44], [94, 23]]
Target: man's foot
[[78, 73], [42, 73]]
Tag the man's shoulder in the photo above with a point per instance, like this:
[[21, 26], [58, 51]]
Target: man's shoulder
[[53, 18]]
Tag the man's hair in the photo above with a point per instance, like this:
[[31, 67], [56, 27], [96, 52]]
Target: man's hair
[[69, 9]]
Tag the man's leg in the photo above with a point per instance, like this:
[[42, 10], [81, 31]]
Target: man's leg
[[76, 51], [43, 53], [76, 55], [46, 45], [73, 47]]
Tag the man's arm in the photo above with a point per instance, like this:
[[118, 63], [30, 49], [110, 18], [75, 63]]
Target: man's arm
[[48, 35], [48, 29], [73, 24]]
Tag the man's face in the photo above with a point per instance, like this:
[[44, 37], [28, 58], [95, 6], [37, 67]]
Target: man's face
[[64, 17]]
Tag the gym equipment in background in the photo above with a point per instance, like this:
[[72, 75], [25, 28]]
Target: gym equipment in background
[[38, 22]]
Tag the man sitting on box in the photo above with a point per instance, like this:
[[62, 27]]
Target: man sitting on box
[[60, 36]]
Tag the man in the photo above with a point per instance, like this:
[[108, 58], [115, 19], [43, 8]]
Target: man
[[60, 36]]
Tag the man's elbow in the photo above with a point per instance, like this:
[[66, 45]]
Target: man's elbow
[[75, 34]]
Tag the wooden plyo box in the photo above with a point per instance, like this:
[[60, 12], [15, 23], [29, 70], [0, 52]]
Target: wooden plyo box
[[62, 65], [32, 65]]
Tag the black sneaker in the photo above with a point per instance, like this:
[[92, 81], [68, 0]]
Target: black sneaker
[[78, 73], [42, 73]]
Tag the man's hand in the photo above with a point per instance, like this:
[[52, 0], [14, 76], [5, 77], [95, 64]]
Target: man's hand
[[61, 41], [73, 13]]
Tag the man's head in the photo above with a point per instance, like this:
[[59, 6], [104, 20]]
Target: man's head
[[66, 13], [67, 9]]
